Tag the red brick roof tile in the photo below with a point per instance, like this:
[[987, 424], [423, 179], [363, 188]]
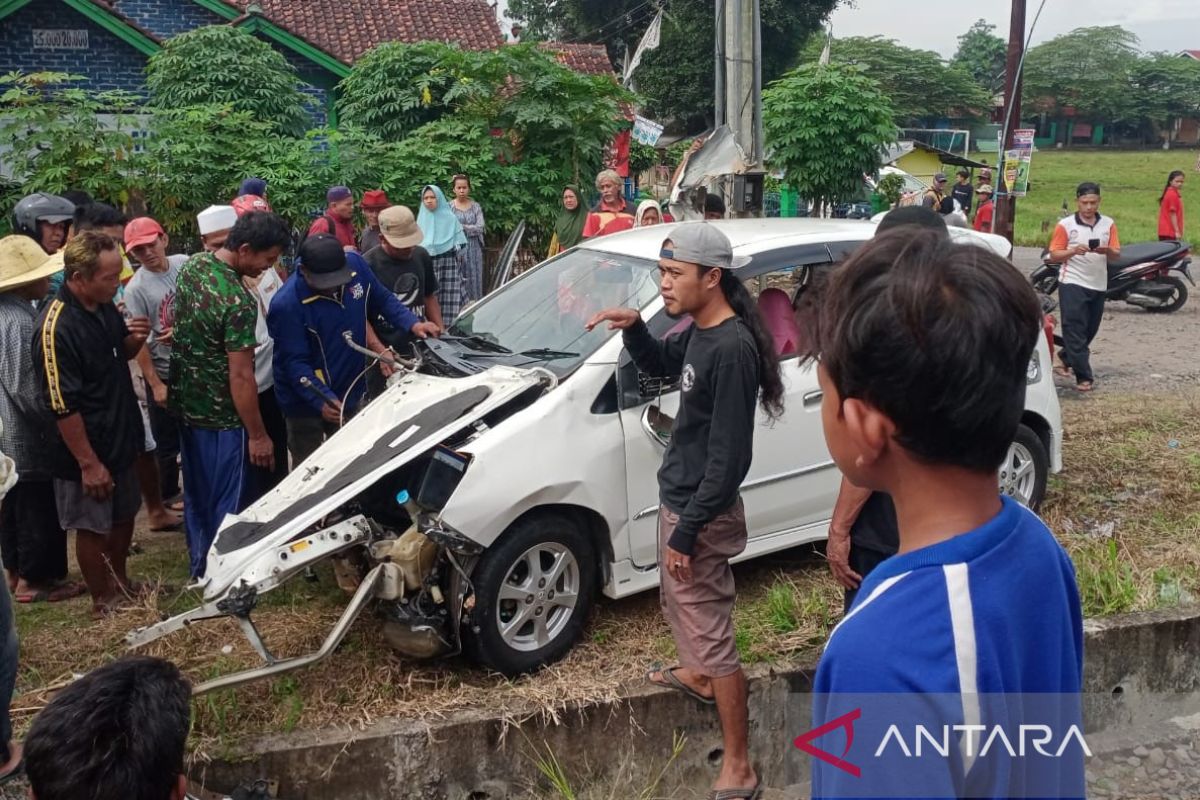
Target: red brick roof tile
[[590, 59], [348, 28]]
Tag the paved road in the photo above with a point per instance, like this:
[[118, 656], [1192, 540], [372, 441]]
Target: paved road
[[1136, 351]]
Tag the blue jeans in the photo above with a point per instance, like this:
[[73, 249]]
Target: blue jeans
[[216, 468]]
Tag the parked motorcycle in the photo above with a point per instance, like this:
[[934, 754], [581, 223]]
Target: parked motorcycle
[[1144, 276]]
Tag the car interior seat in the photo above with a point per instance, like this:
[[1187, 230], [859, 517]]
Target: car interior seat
[[780, 318]]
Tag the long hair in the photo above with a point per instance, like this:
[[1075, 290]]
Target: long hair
[[1175, 173], [770, 384]]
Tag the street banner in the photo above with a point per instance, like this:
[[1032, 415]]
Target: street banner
[[1017, 162], [646, 131]]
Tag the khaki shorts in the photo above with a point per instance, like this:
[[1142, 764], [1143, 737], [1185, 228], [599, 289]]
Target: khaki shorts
[[700, 613], [79, 512]]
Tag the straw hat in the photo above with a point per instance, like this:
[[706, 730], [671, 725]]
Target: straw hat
[[22, 261]]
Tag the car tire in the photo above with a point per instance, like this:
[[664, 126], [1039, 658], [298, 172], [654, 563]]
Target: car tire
[[520, 621], [1026, 469]]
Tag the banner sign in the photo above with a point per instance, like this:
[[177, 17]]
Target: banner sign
[[646, 131]]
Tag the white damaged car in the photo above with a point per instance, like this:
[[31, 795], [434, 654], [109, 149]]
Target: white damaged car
[[507, 476]]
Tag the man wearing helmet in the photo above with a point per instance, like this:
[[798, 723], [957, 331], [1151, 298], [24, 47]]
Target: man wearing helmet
[[44, 218]]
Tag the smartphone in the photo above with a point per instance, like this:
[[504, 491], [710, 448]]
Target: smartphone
[[1093, 244]]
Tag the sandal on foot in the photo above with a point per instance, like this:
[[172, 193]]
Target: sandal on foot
[[1084, 386], [170, 527], [65, 591], [670, 681], [741, 793]]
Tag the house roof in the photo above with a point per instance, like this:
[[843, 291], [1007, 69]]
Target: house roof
[[346, 30], [906, 146], [589, 59], [1191, 53]]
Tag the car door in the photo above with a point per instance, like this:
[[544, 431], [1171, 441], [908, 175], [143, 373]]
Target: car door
[[792, 482]]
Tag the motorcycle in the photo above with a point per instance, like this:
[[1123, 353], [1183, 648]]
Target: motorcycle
[[1142, 276]]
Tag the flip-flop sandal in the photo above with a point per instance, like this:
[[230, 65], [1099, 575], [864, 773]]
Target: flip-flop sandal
[[672, 682], [1061, 371], [66, 591], [1087, 386], [739, 793], [169, 527]]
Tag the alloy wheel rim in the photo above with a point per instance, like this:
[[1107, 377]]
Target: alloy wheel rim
[[537, 597]]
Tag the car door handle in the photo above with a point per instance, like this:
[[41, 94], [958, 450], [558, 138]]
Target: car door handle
[[813, 399]]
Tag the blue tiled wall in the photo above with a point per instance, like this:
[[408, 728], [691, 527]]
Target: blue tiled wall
[[166, 18], [108, 63]]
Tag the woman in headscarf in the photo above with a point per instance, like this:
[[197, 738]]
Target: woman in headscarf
[[470, 215], [445, 242], [568, 226], [648, 214]]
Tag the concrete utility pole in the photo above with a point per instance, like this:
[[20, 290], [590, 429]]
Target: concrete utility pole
[[739, 81], [1006, 205]]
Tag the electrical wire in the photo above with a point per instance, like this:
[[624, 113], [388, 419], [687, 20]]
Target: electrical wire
[[626, 18]]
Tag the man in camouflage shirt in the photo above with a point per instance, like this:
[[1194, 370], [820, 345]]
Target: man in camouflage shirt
[[211, 376]]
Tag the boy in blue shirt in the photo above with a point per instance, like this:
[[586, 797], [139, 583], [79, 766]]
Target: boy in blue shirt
[[924, 347]]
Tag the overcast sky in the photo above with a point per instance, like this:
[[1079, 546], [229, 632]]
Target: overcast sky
[[934, 24]]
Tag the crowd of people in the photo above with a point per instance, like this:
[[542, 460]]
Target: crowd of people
[[147, 375], [135, 375]]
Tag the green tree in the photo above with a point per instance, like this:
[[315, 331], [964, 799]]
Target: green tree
[[397, 87], [982, 54], [223, 66], [676, 80], [57, 139], [826, 127], [919, 85], [1166, 89], [1087, 70]]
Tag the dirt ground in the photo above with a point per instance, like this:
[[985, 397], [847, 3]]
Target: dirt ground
[[1136, 351]]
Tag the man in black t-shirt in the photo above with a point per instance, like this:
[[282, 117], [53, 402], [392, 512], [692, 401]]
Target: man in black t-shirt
[[406, 268], [963, 191], [723, 361], [402, 265]]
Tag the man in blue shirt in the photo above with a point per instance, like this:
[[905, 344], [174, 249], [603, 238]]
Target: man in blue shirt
[[331, 293], [924, 350]]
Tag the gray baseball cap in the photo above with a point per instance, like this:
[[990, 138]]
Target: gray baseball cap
[[701, 243]]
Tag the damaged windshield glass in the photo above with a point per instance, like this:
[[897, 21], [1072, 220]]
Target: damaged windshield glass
[[542, 314]]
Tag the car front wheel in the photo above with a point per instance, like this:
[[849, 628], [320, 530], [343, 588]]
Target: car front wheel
[[534, 589], [1026, 469]]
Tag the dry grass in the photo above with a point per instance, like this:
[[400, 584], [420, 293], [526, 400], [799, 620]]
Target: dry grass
[[1127, 507]]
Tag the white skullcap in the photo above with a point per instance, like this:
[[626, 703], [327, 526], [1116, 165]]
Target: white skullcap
[[216, 218]]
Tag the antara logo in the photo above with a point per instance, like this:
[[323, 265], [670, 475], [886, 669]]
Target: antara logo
[[1029, 739], [804, 742], [996, 738]]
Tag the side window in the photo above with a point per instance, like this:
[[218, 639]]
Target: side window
[[777, 294]]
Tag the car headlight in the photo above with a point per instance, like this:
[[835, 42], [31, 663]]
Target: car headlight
[[1033, 373]]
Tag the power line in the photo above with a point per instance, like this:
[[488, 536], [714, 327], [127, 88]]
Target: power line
[[626, 18]]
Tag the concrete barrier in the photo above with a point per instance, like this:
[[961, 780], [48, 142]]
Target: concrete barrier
[[474, 756]]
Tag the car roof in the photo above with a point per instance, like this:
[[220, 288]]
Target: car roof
[[756, 235], [748, 236]]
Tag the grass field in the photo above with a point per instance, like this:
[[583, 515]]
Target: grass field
[[1130, 181], [1127, 508]]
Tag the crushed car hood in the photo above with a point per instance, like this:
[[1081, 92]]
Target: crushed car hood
[[415, 413]]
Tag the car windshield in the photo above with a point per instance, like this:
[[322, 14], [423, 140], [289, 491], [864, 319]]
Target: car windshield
[[543, 313]]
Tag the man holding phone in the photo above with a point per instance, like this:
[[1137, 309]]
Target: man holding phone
[[1083, 243]]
